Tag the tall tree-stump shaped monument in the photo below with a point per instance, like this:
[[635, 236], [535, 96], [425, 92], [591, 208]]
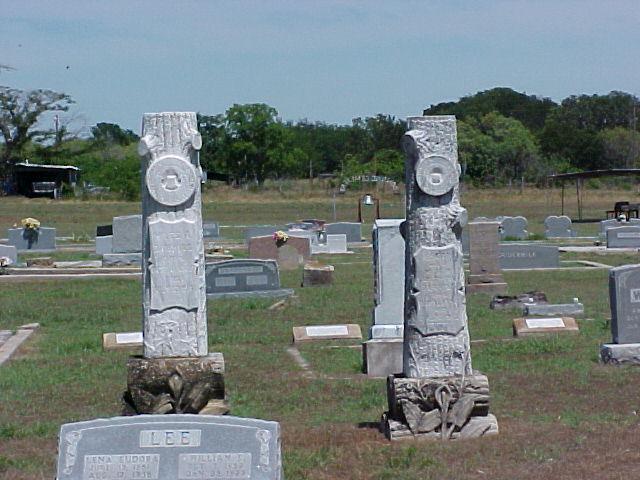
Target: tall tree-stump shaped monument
[[439, 395], [176, 373]]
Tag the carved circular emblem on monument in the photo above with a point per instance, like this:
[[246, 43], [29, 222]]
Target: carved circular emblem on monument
[[171, 180], [436, 175]]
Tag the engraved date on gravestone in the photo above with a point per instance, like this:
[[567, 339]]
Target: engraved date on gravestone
[[121, 467], [170, 438], [173, 264], [228, 466]]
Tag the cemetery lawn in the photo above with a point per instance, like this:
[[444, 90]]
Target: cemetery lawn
[[561, 414]]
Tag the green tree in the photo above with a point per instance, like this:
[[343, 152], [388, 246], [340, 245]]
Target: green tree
[[20, 112], [105, 134], [620, 147]]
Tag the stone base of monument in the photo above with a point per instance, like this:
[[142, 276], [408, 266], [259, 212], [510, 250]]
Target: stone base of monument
[[620, 353], [493, 284], [175, 385], [121, 259], [382, 357], [315, 274], [447, 408]]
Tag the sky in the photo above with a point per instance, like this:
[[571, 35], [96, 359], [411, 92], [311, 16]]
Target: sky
[[321, 60]]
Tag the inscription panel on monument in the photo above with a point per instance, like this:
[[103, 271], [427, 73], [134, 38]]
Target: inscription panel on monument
[[242, 275], [158, 447], [624, 290], [173, 264]]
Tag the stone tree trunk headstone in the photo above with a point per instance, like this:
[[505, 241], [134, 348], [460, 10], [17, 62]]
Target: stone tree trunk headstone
[[438, 395], [176, 374]]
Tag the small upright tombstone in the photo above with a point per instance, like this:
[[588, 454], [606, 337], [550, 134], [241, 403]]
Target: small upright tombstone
[[289, 254], [558, 227], [10, 252], [436, 347], [624, 296], [623, 237], [125, 244], [514, 228], [163, 447], [484, 259], [176, 373], [382, 353]]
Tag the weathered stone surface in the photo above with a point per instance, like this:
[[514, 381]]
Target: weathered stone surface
[[503, 302], [289, 255], [543, 326], [104, 245], [127, 234], [620, 354], [40, 262], [174, 299], [522, 256], [388, 272], [436, 352], [173, 385], [10, 252], [241, 278], [382, 357], [352, 230], [39, 239], [121, 259], [484, 262], [558, 227], [624, 294], [623, 237], [574, 309], [315, 274], [514, 227], [159, 447]]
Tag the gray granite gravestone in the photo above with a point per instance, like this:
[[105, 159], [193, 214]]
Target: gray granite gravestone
[[170, 447], [382, 353], [436, 347], [10, 252], [352, 230], [464, 239], [210, 230], [624, 297], [574, 309], [127, 234], [623, 237], [484, 263], [261, 231], [104, 244], [244, 278], [514, 227], [522, 256], [333, 244], [558, 227], [40, 239], [613, 223], [174, 300]]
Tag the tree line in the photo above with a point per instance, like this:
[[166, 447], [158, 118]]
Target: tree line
[[503, 135]]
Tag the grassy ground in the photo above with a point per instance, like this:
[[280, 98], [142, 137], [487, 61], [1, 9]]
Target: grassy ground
[[561, 414]]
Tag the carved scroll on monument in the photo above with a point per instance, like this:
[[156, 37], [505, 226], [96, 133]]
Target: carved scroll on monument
[[174, 300]]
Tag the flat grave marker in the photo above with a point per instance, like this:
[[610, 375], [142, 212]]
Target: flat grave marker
[[121, 341], [326, 332], [541, 326]]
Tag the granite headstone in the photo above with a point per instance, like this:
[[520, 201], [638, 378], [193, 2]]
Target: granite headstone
[[10, 252], [352, 230], [244, 278], [127, 234], [623, 237], [522, 256], [514, 227], [558, 227], [39, 239]]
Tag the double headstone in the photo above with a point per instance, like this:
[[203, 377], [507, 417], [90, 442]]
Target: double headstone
[[558, 227], [382, 353], [514, 228], [289, 255], [623, 237], [170, 447], [624, 296], [42, 239], [436, 347], [244, 278], [522, 256], [614, 223]]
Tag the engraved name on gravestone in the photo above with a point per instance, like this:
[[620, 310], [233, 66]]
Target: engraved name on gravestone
[[174, 299], [170, 447], [519, 256], [624, 291], [623, 237]]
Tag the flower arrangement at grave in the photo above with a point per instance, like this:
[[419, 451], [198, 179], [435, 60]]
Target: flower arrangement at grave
[[4, 263], [30, 223], [280, 238]]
